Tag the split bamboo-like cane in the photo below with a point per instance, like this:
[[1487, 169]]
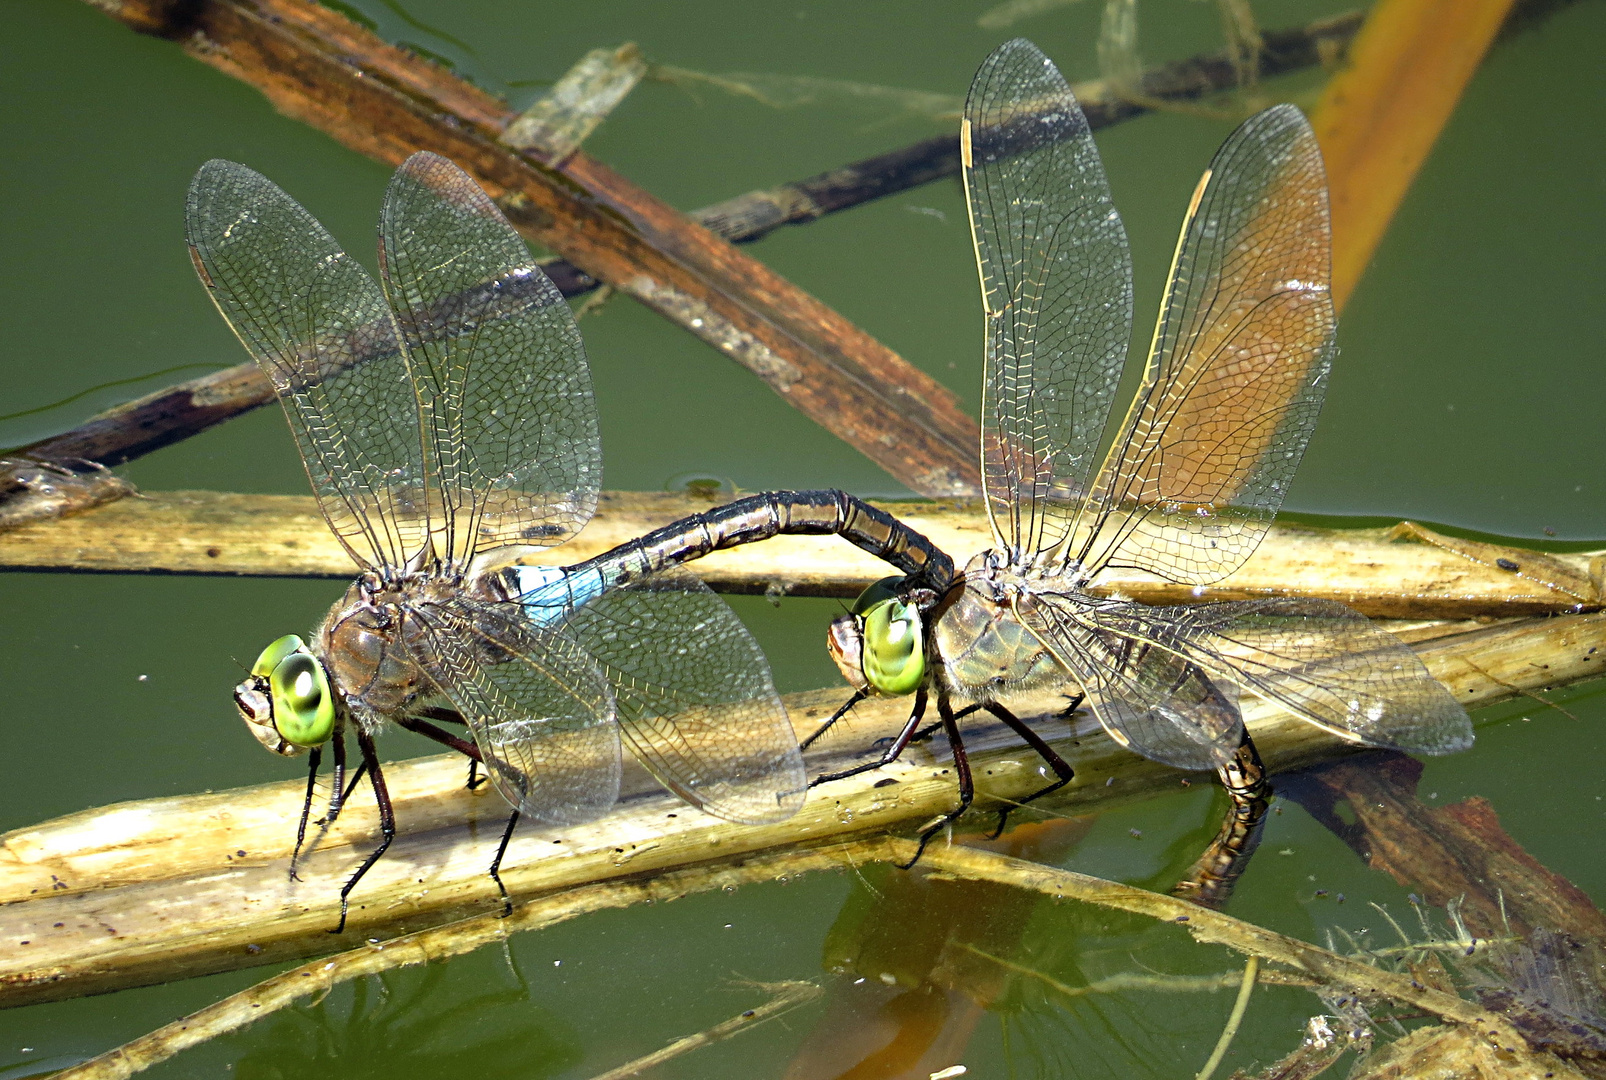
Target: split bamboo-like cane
[[1406, 572]]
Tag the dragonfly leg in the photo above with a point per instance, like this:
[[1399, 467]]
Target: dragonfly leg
[[936, 725], [967, 782], [891, 753], [387, 822], [337, 780], [1211, 879], [447, 739], [340, 789], [858, 696], [1062, 768], [351, 785], [496, 863], [313, 758]]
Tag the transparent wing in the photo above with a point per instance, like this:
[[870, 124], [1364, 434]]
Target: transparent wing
[[504, 392], [695, 699], [1150, 699], [1056, 280], [538, 706], [1328, 665], [1238, 369], [319, 328], [1323, 662]]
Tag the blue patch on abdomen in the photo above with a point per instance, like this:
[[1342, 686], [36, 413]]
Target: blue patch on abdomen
[[550, 593]]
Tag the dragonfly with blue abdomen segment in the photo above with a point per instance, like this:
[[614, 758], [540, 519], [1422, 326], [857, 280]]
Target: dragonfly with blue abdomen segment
[[446, 421]]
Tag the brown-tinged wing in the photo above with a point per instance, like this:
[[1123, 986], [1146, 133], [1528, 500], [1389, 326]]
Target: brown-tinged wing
[[1237, 372]]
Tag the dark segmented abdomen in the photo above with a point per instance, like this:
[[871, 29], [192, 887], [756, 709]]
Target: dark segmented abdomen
[[774, 513]]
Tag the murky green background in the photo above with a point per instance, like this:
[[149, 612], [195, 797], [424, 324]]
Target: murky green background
[[1468, 393]]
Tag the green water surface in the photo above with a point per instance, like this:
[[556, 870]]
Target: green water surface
[[1468, 392]]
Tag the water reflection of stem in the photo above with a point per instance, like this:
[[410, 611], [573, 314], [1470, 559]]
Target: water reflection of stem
[[1212, 927], [788, 996], [1234, 1020], [1164, 984]]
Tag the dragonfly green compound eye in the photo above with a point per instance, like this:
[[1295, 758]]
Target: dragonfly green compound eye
[[303, 707], [894, 647], [878, 592], [274, 653]]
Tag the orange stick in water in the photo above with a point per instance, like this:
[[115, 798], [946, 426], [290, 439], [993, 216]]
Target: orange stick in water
[[1379, 117]]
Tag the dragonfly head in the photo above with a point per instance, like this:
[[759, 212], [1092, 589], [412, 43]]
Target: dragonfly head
[[286, 701], [879, 645]]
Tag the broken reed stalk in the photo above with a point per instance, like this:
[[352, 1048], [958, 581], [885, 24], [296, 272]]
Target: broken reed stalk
[[170, 415], [161, 889], [443, 942], [383, 101], [1406, 572], [1309, 963]]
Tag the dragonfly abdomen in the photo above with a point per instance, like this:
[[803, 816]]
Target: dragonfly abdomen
[[774, 513]]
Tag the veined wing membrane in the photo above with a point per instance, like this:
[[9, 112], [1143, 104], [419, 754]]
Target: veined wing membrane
[[320, 330], [1330, 666], [1325, 663], [695, 701], [1238, 369], [537, 705], [1056, 280], [1149, 699], [504, 391]]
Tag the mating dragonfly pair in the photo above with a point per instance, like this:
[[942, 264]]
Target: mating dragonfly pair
[[446, 421]]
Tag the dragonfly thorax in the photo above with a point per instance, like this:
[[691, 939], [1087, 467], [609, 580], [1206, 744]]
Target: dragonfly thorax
[[982, 648], [360, 645]]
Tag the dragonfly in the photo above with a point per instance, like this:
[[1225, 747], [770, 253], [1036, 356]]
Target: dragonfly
[[446, 420], [1186, 486]]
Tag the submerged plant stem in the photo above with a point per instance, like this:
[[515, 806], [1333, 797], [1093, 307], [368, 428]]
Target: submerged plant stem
[[788, 996], [1234, 1020]]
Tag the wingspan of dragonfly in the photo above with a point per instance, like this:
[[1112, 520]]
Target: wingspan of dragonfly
[[504, 392], [457, 416], [1324, 663], [1148, 698], [695, 700], [320, 329]]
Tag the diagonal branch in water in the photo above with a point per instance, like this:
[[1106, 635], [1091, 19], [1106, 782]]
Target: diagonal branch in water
[[170, 415], [788, 995]]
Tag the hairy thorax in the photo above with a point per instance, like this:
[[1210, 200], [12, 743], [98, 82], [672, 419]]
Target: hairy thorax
[[360, 642], [984, 649]]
